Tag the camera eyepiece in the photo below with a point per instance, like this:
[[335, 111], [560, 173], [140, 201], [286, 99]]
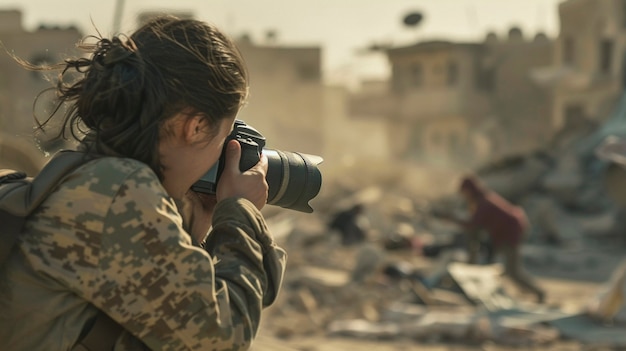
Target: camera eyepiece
[[293, 177]]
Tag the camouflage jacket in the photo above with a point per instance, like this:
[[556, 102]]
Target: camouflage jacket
[[110, 238]]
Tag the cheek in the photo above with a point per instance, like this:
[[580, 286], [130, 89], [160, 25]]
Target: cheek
[[213, 150], [212, 154], [215, 146]]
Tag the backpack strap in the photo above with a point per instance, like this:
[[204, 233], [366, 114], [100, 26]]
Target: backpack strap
[[10, 222], [101, 336], [21, 195]]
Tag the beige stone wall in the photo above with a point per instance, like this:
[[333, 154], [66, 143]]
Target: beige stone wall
[[19, 87], [350, 140], [521, 107], [487, 106], [286, 96], [440, 109], [587, 88]]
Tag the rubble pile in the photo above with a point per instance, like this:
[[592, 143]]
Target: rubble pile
[[563, 189], [366, 291], [408, 280]]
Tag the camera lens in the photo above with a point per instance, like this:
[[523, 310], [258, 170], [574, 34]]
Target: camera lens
[[293, 179]]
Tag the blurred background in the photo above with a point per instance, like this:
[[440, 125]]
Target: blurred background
[[400, 98], [446, 82]]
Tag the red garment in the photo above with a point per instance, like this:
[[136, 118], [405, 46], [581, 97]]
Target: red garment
[[504, 222]]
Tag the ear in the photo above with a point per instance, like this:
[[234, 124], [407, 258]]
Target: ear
[[194, 128]]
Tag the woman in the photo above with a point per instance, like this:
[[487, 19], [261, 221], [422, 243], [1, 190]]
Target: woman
[[506, 225], [123, 242]]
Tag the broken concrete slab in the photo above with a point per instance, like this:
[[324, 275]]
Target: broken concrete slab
[[565, 178], [526, 337], [409, 312], [435, 325], [516, 176], [609, 301], [361, 328], [448, 325], [522, 326], [576, 262], [525, 316], [585, 329], [612, 149], [324, 277], [482, 284]]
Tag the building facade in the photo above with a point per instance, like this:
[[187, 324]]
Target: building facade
[[439, 100], [586, 77], [461, 103], [520, 108]]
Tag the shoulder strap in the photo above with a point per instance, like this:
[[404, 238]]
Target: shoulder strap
[[10, 182], [20, 195], [101, 336]]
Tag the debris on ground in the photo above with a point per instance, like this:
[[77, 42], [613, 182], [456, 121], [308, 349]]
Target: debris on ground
[[409, 280]]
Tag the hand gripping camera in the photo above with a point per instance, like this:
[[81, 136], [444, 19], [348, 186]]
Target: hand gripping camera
[[293, 177]]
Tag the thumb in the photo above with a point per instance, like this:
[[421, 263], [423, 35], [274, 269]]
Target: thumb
[[233, 154]]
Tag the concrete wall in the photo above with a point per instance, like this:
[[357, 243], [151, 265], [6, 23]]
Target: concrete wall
[[438, 102], [286, 96], [590, 47], [348, 139], [19, 87], [521, 107]]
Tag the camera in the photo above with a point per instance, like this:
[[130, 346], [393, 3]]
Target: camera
[[293, 177]]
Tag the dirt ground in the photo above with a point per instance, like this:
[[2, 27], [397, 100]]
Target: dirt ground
[[569, 292], [345, 344], [572, 276]]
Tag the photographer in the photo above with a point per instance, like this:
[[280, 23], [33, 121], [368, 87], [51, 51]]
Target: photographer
[[122, 242]]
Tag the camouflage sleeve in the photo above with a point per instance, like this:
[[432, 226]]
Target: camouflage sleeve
[[246, 253], [172, 295]]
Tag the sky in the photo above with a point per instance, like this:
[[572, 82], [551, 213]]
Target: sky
[[342, 28]]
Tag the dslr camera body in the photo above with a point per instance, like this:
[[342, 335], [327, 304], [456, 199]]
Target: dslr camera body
[[293, 177]]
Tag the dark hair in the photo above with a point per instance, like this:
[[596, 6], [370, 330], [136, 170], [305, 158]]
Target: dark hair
[[473, 185], [130, 85]]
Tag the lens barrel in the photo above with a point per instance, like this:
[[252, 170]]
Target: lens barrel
[[293, 179]]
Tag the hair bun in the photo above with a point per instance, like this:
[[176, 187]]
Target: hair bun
[[110, 52]]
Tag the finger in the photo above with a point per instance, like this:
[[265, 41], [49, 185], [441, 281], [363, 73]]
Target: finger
[[233, 154], [263, 163]]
